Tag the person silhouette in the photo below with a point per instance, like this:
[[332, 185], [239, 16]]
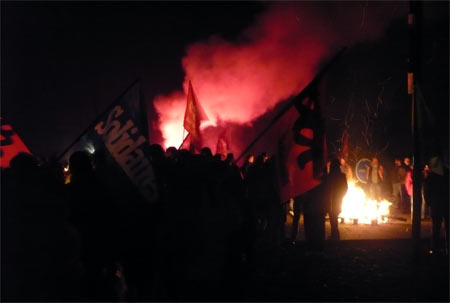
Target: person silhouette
[[336, 185]]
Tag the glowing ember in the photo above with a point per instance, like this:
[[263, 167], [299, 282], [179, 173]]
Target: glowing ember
[[356, 205]]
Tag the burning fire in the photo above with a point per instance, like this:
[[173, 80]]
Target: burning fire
[[66, 173], [356, 205]]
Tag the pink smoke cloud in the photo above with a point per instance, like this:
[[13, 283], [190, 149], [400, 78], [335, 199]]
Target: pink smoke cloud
[[275, 58]]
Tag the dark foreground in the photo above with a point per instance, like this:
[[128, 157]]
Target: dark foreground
[[352, 270]]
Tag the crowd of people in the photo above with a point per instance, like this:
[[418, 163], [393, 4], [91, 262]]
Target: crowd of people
[[396, 186], [79, 239], [83, 241]]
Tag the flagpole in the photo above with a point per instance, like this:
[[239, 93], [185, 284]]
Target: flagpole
[[414, 21], [96, 119], [301, 95], [183, 141]]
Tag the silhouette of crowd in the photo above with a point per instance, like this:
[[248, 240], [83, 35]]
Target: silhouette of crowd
[[83, 241], [78, 239]]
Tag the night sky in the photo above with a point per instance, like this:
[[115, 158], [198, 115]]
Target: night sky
[[63, 63]]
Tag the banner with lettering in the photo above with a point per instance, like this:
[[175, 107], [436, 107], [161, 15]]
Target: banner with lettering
[[119, 144], [10, 144]]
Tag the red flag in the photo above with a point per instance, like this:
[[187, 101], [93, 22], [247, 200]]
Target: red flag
[[186, 142], [10, 144], [301, 147], [222, 145], [193, 117]]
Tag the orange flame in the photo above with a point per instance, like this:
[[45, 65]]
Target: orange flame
[[356, 205]]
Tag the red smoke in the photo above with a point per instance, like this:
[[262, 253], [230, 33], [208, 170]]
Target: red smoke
[[274, 59]]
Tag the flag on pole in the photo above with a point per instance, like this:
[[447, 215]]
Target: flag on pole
[[301, 145], [186, 143], [10, 144], [117, 139], [193, 117]]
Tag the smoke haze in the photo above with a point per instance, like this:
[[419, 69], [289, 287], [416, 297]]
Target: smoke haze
[[238, 81]]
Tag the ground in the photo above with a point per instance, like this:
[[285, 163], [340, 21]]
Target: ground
[[399, 227], [370, 263]]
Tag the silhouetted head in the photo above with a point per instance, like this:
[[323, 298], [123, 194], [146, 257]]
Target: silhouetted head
[[156, 152], [171, 152], [250, 159], [374, 161], [265, 157], [407, 161], [230, 158], [80, 163], [99, 158], [435, 165], [397, 162], [335, 166], [260, 160], [206, 152]]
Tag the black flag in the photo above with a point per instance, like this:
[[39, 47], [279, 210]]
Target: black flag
[[118, 140]]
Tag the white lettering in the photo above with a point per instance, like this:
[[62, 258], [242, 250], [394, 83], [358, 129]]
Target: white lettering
[[115, 113], [127, 153]]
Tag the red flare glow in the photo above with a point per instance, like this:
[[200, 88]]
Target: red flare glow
[[238, 82]]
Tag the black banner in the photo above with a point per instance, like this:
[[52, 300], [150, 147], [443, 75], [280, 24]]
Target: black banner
[[118, 142]]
